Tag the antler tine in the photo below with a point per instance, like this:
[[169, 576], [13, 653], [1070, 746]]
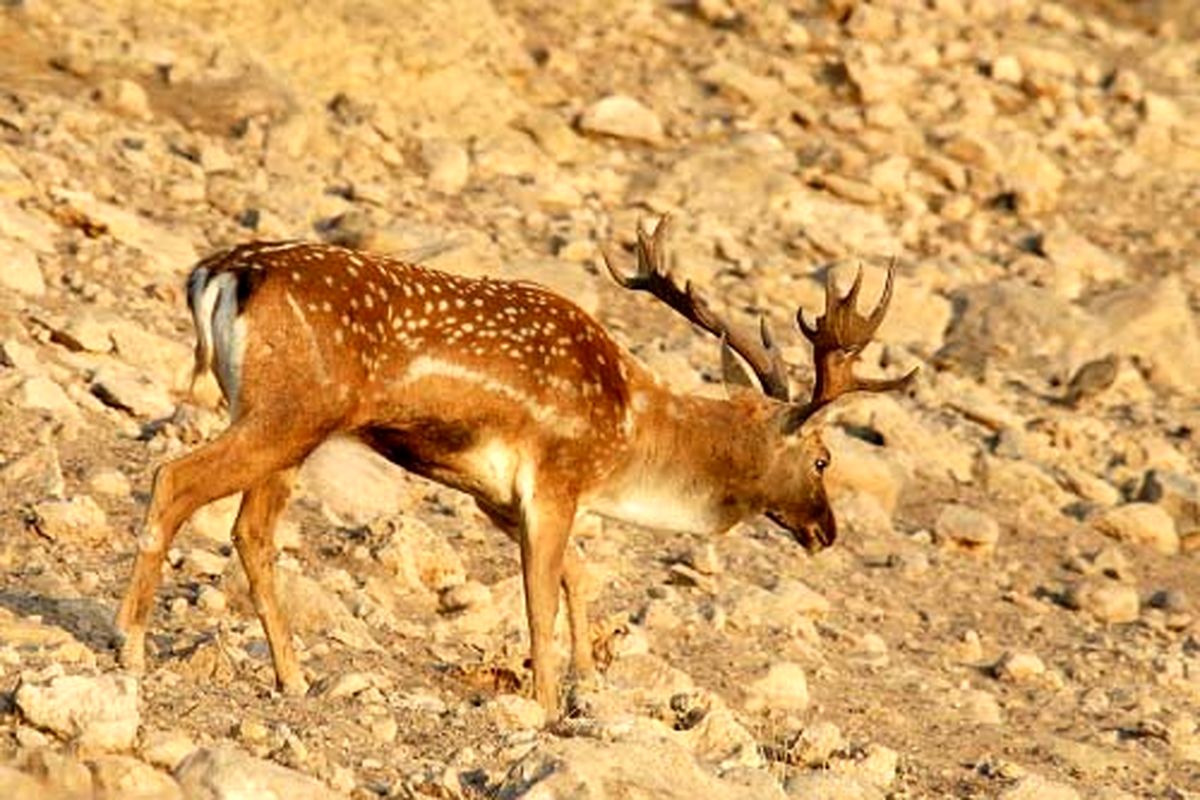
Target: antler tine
[[838, 338], [809, 331], [653, 275], [624, 281], [849, 300], [764, 333], [651, 262], [876, 316]]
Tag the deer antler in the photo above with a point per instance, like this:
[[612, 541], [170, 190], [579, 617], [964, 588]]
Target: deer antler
[[838, 338], [653, 275]]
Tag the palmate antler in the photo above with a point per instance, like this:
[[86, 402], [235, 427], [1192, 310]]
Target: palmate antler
[[838, 336], [653, 275]]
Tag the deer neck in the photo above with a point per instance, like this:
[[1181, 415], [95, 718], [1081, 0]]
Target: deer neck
[[691, 464]]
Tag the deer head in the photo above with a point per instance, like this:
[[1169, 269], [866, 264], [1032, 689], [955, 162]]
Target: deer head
[[794, 457]]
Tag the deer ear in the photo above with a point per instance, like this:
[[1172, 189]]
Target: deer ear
[[733, 371]]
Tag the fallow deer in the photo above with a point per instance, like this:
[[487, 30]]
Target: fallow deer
[[501, 389]]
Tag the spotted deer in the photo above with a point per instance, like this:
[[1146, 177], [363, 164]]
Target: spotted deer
[[501, 389]]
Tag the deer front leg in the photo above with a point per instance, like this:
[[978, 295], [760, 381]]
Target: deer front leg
[[577, 615], [545, 528], [253, 534], [250, 451]]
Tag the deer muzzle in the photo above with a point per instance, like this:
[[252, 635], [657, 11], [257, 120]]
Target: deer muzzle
[[812, 533]]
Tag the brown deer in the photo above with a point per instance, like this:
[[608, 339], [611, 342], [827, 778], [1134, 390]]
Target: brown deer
[[501, 389]]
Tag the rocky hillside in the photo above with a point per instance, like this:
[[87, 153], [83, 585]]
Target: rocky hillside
[[1012, 608]]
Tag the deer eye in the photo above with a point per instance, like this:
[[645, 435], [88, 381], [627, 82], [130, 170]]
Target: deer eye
[[821, 464]]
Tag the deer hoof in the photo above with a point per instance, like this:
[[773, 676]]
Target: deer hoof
[[294, 687], [132, 655]]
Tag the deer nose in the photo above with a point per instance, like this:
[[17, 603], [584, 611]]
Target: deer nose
[[819, 535]]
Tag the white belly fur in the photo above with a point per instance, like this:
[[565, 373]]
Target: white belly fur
[[654, 505]]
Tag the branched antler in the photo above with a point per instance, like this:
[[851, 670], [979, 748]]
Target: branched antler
[[838, 338], [653, 275]]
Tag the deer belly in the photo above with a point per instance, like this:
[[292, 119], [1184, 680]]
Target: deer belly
[[665, 507]]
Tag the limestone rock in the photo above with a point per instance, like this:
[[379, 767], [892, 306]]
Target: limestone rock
[[836, 227], [355, 483], [15, 353], [615, 770], [1034, 178], [648, 674], [117, 777], [1072, 251], [979, 707], [27, 227], [44, 394], [1019, 666], [1141, 524], [830, 786], [85, 332], [1020, 326], [967, 529], [1023, 482], [100, 713], [225, 773], [32, 636], [712, 732], [312, 607], [132, 391], [513, 712], [78, 519], [791, 604], [214, 522], [205, 563], [16, 785], [860, 467], [167, 251], [739, 81], [623, 117], [876, 766], [39, 472], [1107, 601], [1179, 494], [464, 597], [1035, 787], [816, 744], [165, 748], [126, 97], [19, 269], [1152, 321], [420, 558], [447, 165], [110, 482], [784, 687], [1007, 69], [58, 774], [165, 361]]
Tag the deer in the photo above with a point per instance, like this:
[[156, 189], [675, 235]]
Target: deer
[[503, 390]]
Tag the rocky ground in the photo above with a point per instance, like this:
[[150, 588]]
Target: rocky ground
[[1011, 611]]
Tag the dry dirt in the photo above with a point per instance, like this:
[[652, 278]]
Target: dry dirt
[[1035, 169]]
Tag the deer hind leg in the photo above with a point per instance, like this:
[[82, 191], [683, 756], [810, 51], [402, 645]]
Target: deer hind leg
[[253, 534], [250, 451], [545, 528]]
